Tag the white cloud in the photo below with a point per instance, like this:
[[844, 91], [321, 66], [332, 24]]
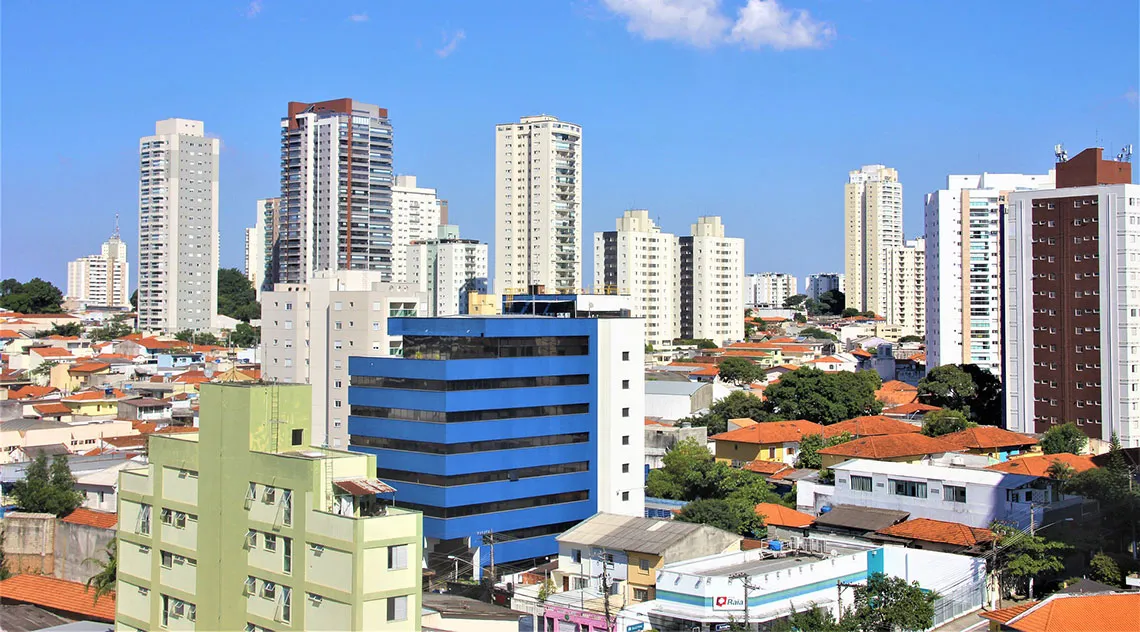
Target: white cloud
[[696, 22], [451, 43], [703, 23], [253, 9], [358, 17], [766, 23]]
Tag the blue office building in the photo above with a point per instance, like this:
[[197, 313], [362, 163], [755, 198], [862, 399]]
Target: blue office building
[[511, 428]]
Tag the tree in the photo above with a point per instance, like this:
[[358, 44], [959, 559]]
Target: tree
[[792, 301], [4, 572], [245, 336], [43, 368], [104, 580], [113, 330], [47, 490], [712, 511], [833, 302], [886, 604], [1119, 499], [947, 386], [196, 337], [941, 422], [816, 332], [905, 339], [988, 405], [799, 318], [685, 474], [849, 312], [1105, 569], [738, 405], [134, 299], [814, 619], [824, 398], [1066, 437], [34, 297], [1022, 556], [739, 371], [813, 307], [809, 458], [236, 296], [546, 590], [66, 329]]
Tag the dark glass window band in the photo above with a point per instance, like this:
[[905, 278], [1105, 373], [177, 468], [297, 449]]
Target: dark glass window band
[[470, 446], [439, 480], [413, 384], [436, 416], [502, 505]]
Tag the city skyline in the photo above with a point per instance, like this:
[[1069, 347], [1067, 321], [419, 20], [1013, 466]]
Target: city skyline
[[622, 56]]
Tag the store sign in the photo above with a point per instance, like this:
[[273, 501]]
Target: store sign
[[722, 602]]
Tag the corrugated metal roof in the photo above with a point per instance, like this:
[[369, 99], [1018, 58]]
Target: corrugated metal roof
[[365, 486], [626, 533]]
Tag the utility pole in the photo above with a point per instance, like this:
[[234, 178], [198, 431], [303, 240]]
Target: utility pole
[[839, 586], [745, 581], [1032, 528]]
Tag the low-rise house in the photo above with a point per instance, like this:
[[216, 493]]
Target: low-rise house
[[769, 441], [996, 443], [454, 613], [914, 411], [661, 437], [895, 393], [144, 409], [855, 521], [939, 535], [906, 448], [77, 376], [52, 410], [28, 434], [782, 522], [94, 403], [869, 426], [835, 363], [71, 600], [1066, 612], [1042, 464], [676, 400]]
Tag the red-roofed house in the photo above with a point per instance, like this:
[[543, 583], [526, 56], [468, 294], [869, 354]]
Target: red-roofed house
[[1097, 612], [896, 393], [71, 600], [834, 363], [766, 441], [92, 518], [996, 443], [906, 448], [782, 522], [869, 426], [1040, 464], [83, 373], [31, 391], [939, 535], [52, 410], [913, 410], [95, 402], [39, 355]]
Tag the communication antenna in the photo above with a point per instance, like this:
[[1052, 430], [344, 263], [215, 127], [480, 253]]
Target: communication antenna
[[1125, 154], [115, 235], [1060, 153]]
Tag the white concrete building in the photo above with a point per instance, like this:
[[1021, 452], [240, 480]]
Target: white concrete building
[[308, 332], [712, 283], [963, 267], [873, 224], [336, 191], [101, 280], [1072, 302], [415, 217], [905, 292], [769, 289], [538, 205], [639, 260], [818, 284], [178, 227], [447, 268]]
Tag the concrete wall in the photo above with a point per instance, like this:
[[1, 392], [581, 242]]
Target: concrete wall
[[29, 542], [75, 543]]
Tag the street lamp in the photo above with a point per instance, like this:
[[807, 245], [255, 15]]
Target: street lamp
[[456, 560]]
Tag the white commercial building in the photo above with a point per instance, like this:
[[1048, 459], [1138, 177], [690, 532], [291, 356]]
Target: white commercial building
[[447, 268], [178, 227], [905, 293], [101, 280], [819, 284], [642, 262], [712, 283], [769, 289], [415, 217], [1072, 302], [336, 191], [538, 205], [873, 225], [308, 332], [963, 267]]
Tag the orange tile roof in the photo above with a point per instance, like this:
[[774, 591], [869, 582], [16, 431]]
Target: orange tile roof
[[654, 422], [986, 437], [195, 376], [253, 373], [918, 357], [52, 408], [766, 467], [88, 367], [113, 356], [92, 518], [51, 352], [861, 352], [781, 516], [773, 319], [94, 396], [1113, 612], [869, 426], [898, 385], [795, 349], [59, 595], [747, 353], [831, 359], [1039, 464], [31, 391], [59, 337], [1005, 614], [940, 531], [155, 343], [888, 447], [743, 422], [910, 409], [771, 432], [9, 333]]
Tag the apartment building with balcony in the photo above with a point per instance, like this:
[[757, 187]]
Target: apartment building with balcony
[[639, 260], [769, 289], [336, 191], [506, 430], [538, 205], [178, 227], [873, 225], [102, 280], [712, 283], [448, 269], [415, 217], [906, 287], [309, 330], [819, 284], [245, 526]]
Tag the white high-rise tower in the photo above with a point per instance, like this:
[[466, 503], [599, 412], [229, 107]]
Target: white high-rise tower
[[178, 227], [101, 280], [538, 205], [639, 260], [873, 217]]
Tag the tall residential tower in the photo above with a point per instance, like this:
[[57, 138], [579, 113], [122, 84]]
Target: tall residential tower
[[538, 205], [639, 260], [415, 216], [101, 280], [178, 227], [712, 283], [873, 217]]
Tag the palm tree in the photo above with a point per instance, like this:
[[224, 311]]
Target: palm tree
[[104, 580]]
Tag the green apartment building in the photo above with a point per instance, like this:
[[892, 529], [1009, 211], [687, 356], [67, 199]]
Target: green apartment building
[[244, 526]]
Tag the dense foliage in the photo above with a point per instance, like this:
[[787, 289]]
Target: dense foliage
[[825, 398], [116, 328], [47, 489], [738, 405], [34, 297], [245, 335], [808, 457], [104, 580], [942, 422], [1119, 500], [1066, 438], [739, 371], [816, 332], [967, 388], [236, 296], [886, 604]]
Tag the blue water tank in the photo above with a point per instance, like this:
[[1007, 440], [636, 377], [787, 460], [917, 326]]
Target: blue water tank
[[775, 545], [825, 509]]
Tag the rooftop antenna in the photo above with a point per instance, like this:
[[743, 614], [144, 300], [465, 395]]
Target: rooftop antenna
[[1125, 154], [115, 235], [1060, 153]]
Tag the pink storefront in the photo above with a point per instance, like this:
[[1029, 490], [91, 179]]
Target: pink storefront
[[560, 619]]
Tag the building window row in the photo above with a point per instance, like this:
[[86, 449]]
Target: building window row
[[282, 596], [173, 608], [455, 480], [502, 505], [437, 416], [413, 384], [177, 519], [462, 347], [470, 446]]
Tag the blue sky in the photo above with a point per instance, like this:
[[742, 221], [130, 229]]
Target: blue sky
[[739, 108]]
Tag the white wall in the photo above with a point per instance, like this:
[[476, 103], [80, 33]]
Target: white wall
[[615, 336]]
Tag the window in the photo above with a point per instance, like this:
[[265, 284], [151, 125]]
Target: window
[[268, 590], [625, 412], [287, 507], [251, 493], [286, 604], [270, 495], [640, 594], [643, 564], [625, 439], [167, 517], [287, 560], [270, 542], [576, 556], [298, 436], [625, 355], [250, 538], [625, 468], [397, 608], [625, 496], [625, 385], [954, 493], [397, 557], [908, 488], [771, 453], [143, 526], [861, 483], [167, 559]]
